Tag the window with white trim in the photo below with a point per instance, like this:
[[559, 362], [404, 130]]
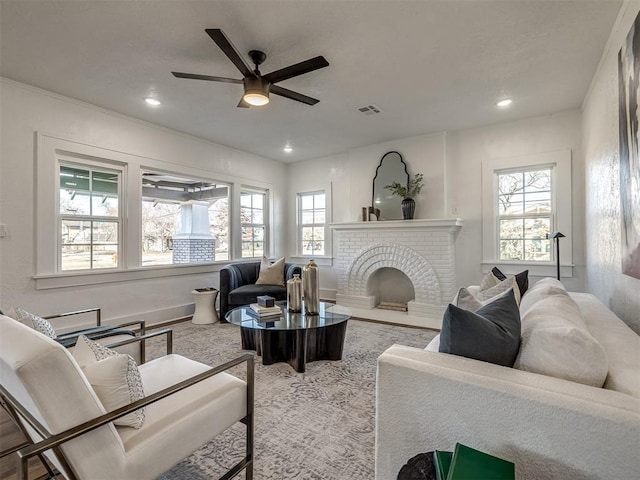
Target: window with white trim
[[253, 223], [525, 214], [523, 199], [312, 223], [89, 217]]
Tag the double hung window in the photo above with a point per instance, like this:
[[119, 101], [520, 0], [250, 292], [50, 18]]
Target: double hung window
[[525, 214], [312, 223], [253, 223], [90, 217]]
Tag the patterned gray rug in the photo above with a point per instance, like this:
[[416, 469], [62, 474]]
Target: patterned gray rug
[[313, 425]]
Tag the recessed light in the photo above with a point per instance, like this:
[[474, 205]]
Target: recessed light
[[504, 103], [154, 102], [288, 148]]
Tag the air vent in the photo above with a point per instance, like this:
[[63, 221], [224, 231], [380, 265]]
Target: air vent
[[370, 109]]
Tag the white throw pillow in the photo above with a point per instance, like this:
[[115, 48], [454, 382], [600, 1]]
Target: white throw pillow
[[37, 323], [467, 300], [114, 377], [555, 342], [434, 345], [489, 280], [271, 274], [498, 289]]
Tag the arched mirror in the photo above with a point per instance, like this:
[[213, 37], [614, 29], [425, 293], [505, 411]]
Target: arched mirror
[[391, 169]]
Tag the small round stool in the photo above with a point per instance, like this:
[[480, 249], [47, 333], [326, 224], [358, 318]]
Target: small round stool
[[205, 312]]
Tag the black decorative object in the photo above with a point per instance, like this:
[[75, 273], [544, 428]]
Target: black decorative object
[[408, 208], [557, 236], [420, 467]]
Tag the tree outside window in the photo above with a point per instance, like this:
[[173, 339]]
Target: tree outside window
[[525, 214]]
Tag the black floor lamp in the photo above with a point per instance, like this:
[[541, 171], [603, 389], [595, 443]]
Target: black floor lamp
[[557, 236]]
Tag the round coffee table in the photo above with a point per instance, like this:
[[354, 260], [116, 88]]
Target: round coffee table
[[295, 338]]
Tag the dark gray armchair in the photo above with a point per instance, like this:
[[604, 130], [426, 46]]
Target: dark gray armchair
[[238, 285]]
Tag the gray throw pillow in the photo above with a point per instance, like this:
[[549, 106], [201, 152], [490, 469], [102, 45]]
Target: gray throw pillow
[[490, 334]]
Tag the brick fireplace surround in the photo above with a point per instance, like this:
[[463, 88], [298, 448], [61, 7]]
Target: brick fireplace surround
[[423, 250]]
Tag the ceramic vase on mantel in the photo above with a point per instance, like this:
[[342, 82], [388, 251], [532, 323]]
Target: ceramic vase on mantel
[[408, 208]]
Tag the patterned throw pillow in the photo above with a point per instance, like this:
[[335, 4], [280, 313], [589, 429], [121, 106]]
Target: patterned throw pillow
[[39, 324], [500, 287], [465, 299], [116, 380]]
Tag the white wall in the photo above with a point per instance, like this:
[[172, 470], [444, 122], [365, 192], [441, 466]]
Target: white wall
[[467, 149], [619, 292], [349, 178], [25, 111], [451, 163]]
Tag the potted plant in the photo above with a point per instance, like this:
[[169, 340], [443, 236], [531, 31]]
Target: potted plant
[[407, 192]]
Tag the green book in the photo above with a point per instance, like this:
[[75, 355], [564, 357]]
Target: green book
[[470, 464], [442, 462]]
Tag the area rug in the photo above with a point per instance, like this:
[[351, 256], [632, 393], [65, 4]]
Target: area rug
[[313, 425]]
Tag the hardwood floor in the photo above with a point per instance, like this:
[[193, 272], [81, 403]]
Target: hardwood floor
[[10, 436]]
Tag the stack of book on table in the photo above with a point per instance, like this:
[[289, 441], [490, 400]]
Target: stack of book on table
[[262, 312], [465, 463]]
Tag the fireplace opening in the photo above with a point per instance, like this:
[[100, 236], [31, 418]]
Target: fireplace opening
[[392, 289]]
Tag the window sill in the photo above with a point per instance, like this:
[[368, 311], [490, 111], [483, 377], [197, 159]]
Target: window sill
[[321, 260], [536, 269], [74, 279]]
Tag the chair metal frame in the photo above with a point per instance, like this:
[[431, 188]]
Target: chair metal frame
[[53, 442]]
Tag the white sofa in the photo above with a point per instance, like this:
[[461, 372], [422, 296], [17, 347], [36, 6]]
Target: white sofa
[[551, 428]]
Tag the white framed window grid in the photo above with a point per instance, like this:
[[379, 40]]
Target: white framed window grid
[[254, 222], [90, 216], [312, 223], [525, 213]]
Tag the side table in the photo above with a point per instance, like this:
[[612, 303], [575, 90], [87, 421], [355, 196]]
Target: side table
[[205, 311]]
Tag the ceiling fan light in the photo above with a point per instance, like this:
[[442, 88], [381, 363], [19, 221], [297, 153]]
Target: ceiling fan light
[[256, 91], [256, 98]]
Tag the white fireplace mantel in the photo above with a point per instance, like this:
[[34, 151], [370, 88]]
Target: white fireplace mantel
[[454, 223]]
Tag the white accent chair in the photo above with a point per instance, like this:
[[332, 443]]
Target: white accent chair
[[186, 404]]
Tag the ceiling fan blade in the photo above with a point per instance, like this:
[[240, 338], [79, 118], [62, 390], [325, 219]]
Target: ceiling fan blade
[[297, 69], [284, 92], [243, 104], [196, 76], [229, 50]]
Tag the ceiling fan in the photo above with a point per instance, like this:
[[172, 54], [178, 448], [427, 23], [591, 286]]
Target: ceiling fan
[[257, 86]]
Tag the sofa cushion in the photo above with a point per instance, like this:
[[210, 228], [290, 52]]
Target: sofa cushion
[[271, 274], [556, 342], [247, 294], [620, 342], [491, 334], [541, 289]]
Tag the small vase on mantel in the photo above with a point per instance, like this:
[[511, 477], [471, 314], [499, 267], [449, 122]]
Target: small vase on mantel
[[408, 208]]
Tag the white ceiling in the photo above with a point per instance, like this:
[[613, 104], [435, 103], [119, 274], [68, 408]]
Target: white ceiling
[[429, 65]]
